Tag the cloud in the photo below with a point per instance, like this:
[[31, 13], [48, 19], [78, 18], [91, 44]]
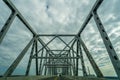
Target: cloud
[[93, 40], [3, 17]]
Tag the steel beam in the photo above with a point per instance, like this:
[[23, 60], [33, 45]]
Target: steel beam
[[45, 70], [67, 68], [19, 15], [56, 57], [64, 42], [67, 45], [74, 66], [7, 25], [62, 35], [18, 59], [40, 66], [45, 61], [109, 47], [36, 60], [30, 60], [13, 8], [94, 8], [45, 45], [112, 54], [82, 61], [77, 59], [58, 50], [71, 63], [57, 65], [93, 63]]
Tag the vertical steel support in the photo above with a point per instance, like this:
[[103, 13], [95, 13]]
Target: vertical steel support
[[112, 54], [45, 61], [7, 25], [71, 62], [45, 70], [74, 67], [47, 55], [52, 67], [49, 69], [36, 60], [82, 60], [77, 60], [67, 66], [94, 65], [40, 66], [18, 59], [30, 60]]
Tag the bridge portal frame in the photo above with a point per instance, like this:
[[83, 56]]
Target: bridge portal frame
[[35, 40]]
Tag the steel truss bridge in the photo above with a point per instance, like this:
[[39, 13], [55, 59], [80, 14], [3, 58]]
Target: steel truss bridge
[[66, 61]]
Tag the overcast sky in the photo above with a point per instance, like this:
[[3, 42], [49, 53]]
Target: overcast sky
[[60, 17]]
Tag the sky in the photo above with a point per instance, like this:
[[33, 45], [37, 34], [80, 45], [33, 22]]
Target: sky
[[60, 17]]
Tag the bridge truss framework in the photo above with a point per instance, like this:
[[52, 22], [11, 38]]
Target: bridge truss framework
[[68, 58]]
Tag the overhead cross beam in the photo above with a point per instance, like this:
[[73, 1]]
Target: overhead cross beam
[[56, 57], [62, 35]]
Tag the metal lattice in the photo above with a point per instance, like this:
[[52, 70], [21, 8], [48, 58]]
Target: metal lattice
[[66, 60]]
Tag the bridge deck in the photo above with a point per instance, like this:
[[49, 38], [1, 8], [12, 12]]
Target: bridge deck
[[50, 78]]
